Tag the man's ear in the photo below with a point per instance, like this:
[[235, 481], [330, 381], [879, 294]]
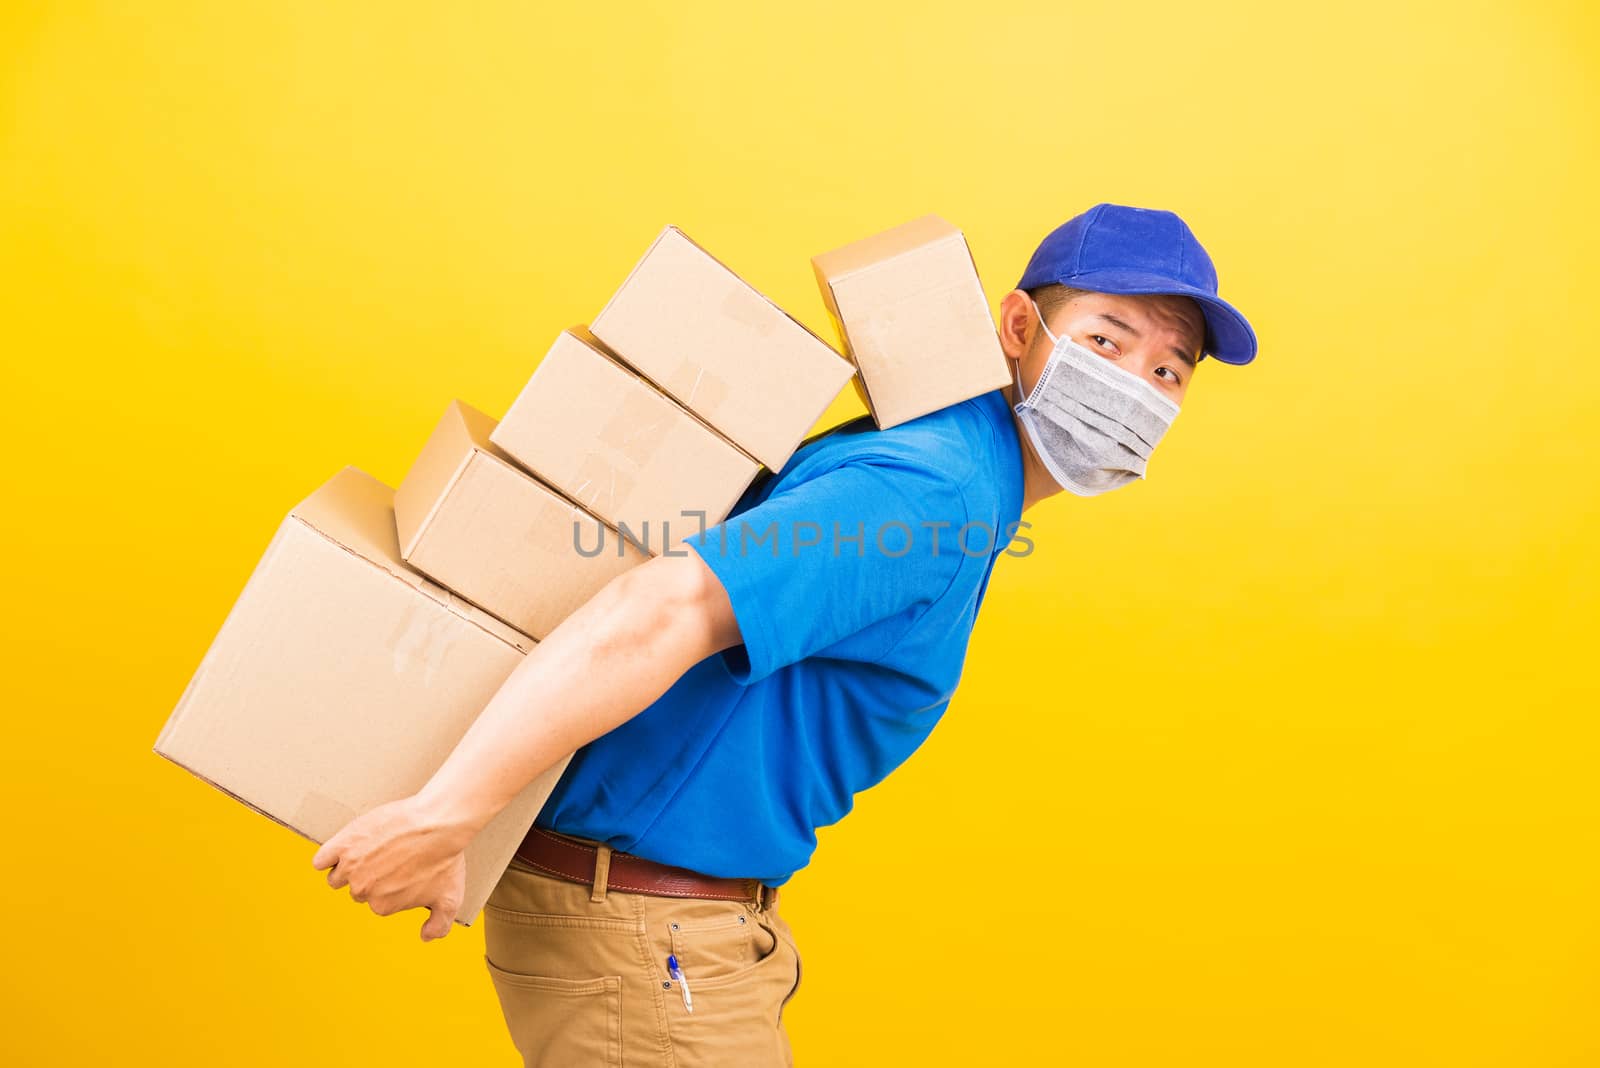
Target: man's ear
[[1017, 324]]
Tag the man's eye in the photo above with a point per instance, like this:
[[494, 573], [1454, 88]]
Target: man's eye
[[1101, 340], [1171, 374]]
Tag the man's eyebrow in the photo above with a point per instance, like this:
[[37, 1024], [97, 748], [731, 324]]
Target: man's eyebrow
[[1186, 357], [1114, 321]]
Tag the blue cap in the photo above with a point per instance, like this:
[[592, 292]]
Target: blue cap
[[1115, 249]]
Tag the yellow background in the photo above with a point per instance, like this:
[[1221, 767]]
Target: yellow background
[[1285, 757]]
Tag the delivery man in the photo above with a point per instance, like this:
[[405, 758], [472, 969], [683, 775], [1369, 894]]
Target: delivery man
[[726, 699]]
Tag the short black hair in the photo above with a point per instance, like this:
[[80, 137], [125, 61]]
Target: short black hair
[[1052, 295]]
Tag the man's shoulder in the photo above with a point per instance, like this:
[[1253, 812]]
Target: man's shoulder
[[957, 441], [968, 449], [963, 442]]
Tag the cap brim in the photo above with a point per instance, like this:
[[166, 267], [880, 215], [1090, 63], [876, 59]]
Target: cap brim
[[1229, 337]]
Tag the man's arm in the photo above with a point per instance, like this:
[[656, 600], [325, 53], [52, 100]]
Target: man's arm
[[601, 666]]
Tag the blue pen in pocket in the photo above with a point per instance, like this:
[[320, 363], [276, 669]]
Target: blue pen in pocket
[[683, 984]]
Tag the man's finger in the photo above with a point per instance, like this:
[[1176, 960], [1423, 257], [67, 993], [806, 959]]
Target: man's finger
[[337, 876], [328, 855], [438, 923]]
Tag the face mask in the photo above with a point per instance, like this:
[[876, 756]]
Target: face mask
[[1092, 424]]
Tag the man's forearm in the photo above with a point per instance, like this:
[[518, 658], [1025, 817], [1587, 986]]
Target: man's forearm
[[604, 664]]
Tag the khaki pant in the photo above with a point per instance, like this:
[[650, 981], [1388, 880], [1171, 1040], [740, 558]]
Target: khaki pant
[[581, 972]]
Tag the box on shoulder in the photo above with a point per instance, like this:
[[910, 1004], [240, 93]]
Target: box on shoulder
[[475, 523], [631, 455], [341, 679], [912, 315], [710, 340]]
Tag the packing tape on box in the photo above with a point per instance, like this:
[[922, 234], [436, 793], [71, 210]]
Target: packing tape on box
[[637, 426], [422, 636], [633, 433], [749, 308], [587, 531], [698, 389], [600, 487], [320, 816]]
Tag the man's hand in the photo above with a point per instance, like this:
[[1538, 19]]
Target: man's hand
[[599, 667], [399, 856]]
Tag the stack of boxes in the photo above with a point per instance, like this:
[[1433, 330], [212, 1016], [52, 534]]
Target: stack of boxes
[[380, 621]]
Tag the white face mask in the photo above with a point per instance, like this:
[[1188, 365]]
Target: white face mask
[[1092, 424]]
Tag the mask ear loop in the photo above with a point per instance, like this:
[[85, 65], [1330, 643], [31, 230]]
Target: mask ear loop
[[1016, 368], [1053, 339]]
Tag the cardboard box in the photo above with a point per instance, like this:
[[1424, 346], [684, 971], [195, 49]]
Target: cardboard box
[[472, 521], [702, 334], [606, 438], [341, 679], [913, 317]]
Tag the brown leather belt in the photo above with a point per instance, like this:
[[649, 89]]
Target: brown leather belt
[[567, 857]]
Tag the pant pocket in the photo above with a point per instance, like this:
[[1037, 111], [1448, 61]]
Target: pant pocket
[[560, 1023], [717, 945], [738, 975], [786, 936]]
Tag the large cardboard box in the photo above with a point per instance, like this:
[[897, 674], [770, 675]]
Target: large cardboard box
[[913, 317], [472, 521], [606, 438], [705, 336], [341, 679]]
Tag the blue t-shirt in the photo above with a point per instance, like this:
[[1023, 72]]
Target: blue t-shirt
[[855, 574]]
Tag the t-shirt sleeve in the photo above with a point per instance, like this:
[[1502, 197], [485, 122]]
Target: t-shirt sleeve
[[870, 540]]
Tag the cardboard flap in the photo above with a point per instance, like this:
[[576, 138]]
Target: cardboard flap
[[446, 451], [873, 251], [356, 511], [476, 426]]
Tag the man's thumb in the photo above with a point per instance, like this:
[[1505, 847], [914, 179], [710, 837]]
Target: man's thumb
[[438, 923]]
